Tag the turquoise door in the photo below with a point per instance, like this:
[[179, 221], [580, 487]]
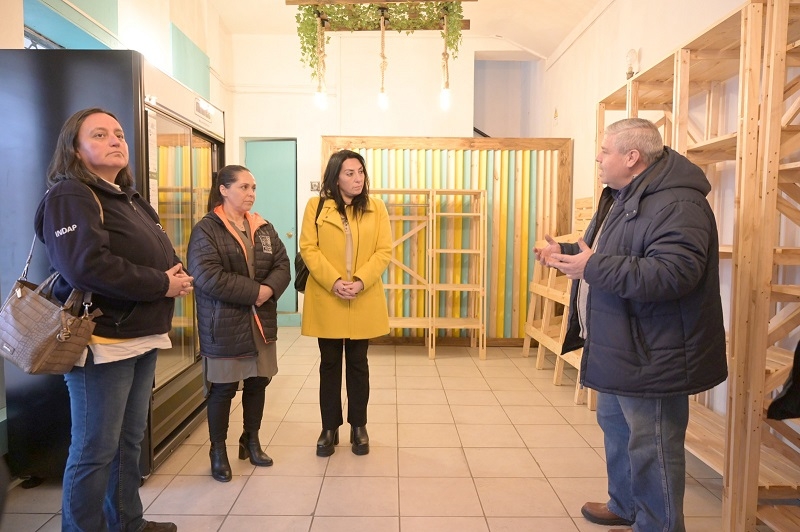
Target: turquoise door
[[274, 165]]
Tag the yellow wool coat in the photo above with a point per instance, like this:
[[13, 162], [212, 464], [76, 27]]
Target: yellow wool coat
[[324, 314]]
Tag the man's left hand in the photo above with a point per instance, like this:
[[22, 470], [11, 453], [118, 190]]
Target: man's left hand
[[571, 265]]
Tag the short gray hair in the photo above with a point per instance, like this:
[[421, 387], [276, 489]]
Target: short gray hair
[[637, 134]]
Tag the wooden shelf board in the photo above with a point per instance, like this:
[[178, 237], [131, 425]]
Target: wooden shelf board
[[778, 358], [400, 322], [464, 287], [718, 149], [786, 292], [405, 287], [559, 296], [457, 323], [726, 252], [705, 438], [779, 517], [462, 251], [786, 256]]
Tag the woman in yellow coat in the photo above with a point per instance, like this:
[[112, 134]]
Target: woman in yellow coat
[[346, 251]]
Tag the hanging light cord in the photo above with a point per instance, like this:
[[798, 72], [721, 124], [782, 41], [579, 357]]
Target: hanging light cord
[[445, 57], [383, 48], [320, 54]]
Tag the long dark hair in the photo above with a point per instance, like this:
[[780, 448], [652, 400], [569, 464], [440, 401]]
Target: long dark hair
[[330, 189], [66, 164], [226, 176]]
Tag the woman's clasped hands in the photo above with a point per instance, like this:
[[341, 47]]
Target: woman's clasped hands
[[347, 289], [180, 282]]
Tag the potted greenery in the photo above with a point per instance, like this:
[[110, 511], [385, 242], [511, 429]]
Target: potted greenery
[[406, 17]]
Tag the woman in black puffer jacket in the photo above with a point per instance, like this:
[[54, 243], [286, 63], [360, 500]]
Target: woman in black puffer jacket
[[240, 268]]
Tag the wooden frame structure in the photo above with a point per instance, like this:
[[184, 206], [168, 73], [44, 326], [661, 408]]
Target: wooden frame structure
[[751, 51], [448, 227], [547, 323]]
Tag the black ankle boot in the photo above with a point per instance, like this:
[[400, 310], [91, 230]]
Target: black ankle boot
[[327, 442], [360, 440], [250, 447], [220, 466]]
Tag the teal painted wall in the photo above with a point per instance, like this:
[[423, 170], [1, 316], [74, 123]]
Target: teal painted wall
[[67, 27], [190, 65]]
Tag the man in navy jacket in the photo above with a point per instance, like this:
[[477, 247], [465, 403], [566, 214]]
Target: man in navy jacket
[[646, 308]]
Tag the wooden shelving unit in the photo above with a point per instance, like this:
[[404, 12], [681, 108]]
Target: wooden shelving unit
[[747, 53], [447, 290], [458, 221], [407, 285]]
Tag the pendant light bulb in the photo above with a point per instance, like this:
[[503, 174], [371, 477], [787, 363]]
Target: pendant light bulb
[[321, 99], [383, 101], [445, 99]]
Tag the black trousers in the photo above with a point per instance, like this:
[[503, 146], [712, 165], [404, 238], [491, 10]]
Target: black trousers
[[218, 406], [330, 381]]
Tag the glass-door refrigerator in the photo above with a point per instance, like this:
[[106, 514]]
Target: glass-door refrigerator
[[176, 142], [181, 162]]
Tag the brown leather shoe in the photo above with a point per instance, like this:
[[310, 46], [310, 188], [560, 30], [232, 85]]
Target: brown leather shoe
[[599, 514]]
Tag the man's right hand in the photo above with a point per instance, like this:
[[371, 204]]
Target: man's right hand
[[542, 254]]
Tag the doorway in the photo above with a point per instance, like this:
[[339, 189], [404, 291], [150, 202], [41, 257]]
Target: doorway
[[274, 165]]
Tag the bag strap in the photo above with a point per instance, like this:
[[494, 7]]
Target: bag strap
[[24, 275], [319, 210], [102, 219]]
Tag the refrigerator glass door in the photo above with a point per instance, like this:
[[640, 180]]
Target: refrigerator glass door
[[203, 166], [171, 158]]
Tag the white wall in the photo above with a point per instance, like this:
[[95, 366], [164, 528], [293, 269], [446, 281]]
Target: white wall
[[592, 66], [144, 26], [504, 99], [273, 92]]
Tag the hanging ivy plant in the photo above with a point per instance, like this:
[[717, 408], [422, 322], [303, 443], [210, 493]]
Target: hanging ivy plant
[[400, 17]]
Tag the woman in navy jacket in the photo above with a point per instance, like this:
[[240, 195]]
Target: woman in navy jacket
[[104, 238], [241, 269]]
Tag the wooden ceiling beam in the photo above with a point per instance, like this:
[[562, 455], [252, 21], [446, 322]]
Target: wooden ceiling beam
[[346, 2], [435, 26]]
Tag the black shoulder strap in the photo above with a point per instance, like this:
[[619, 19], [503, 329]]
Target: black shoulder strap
[[319, 210]]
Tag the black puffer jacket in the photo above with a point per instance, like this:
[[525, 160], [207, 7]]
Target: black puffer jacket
[[224, 291], [654, 314]]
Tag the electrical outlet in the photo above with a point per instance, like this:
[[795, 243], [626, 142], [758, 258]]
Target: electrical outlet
[[315, 186]]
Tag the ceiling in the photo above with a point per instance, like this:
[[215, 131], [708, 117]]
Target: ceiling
[[534, 27]]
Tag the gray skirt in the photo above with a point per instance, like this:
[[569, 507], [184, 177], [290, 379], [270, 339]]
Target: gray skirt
[[237, 369]]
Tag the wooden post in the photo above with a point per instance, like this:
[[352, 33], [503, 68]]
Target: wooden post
[[680, 101], [752, 269]]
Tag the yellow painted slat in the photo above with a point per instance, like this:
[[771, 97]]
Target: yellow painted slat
[[502, 223]]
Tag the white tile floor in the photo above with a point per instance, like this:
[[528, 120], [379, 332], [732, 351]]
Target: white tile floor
[[457, 444]]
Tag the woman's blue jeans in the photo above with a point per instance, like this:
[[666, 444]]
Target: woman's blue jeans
[[645, 458], [109, 404]]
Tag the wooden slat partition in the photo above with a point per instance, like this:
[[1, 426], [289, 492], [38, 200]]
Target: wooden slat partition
[[528, 184]]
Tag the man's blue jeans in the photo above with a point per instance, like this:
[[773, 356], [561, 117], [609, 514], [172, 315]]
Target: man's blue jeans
[[645, 458], [109, 404]]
